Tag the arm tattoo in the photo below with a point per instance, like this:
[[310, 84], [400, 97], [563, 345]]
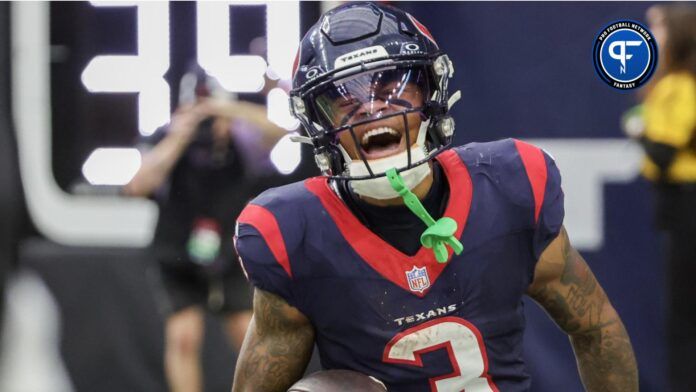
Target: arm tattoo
[[565, 286], [276, 349]]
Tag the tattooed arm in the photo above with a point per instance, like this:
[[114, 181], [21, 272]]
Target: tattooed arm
[[564, 285], [276, 349]]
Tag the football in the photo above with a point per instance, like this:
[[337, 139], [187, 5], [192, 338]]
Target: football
[[338, 381]]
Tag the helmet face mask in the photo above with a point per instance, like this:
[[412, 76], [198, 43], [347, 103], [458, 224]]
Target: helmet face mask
[[372, 94], [374, 114], [377, 94]]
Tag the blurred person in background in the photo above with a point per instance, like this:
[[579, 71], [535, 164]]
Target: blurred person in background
[[202, 169], [665, 126]]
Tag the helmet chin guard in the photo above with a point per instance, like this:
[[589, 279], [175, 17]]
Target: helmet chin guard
[[379, 187], [363, 65]]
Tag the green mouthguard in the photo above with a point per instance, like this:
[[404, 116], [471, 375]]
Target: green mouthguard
[[439, 233]]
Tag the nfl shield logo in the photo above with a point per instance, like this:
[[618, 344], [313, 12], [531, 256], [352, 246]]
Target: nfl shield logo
[[418, 279]]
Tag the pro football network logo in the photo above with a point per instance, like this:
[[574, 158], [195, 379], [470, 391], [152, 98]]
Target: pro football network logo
[[625, 54], [418, 279]]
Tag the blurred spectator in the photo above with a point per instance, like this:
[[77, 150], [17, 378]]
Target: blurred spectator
[[202, 169], [665, 125]]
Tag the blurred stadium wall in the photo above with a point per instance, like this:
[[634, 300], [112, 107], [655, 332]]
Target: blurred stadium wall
[[525, 70], [13, 223]]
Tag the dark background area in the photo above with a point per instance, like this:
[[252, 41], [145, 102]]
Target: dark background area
[[525, 70]]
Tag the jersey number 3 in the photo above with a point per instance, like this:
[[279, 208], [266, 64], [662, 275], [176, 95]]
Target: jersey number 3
[[464, 346]]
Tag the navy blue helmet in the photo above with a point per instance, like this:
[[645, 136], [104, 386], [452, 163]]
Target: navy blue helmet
[[362, 63]]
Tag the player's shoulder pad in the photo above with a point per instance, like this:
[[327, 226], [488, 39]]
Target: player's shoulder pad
[[272, 226], [284, 197], [524, 173]]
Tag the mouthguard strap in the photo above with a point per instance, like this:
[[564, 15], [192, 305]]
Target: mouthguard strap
[[439, 233]]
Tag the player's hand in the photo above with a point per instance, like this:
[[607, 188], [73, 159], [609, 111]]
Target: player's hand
[[216, 107], [186, 119]]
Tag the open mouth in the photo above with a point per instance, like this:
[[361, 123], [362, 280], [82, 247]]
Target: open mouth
[[381, 142]]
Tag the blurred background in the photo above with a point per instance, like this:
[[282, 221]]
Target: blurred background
[[81, 82]]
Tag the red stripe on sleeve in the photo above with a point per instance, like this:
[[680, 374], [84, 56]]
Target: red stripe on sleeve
[[535, 166], [266, 224]]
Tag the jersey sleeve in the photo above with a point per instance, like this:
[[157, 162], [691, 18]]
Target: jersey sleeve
[[547, 195], [263, 253]]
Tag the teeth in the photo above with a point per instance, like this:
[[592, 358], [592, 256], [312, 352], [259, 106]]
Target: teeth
[[377, 131]]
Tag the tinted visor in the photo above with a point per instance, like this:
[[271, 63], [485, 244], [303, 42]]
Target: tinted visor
[[371, 95]]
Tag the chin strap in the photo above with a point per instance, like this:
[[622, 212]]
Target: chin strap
[[439, 233]]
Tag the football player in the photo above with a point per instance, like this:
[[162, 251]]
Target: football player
[[408, 260]]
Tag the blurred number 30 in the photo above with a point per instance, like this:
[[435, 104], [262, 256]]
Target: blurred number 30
[[144, 73]]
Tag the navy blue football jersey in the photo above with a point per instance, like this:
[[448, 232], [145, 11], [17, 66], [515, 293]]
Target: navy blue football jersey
[[409, 321]]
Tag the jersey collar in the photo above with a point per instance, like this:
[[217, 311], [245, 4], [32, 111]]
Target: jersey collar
[[382, 257]]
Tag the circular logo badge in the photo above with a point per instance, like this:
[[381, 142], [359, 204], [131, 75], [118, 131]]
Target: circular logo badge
[[625, 54]]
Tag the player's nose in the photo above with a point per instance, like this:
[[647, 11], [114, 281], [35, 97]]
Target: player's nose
[[372, 108]]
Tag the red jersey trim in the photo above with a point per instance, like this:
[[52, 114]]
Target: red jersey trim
[[266, 224], [535, 166], [386, 260]]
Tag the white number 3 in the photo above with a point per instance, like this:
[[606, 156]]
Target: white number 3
[[464, 345]]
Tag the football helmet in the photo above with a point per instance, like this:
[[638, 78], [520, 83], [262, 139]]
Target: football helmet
[[363, 63]]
